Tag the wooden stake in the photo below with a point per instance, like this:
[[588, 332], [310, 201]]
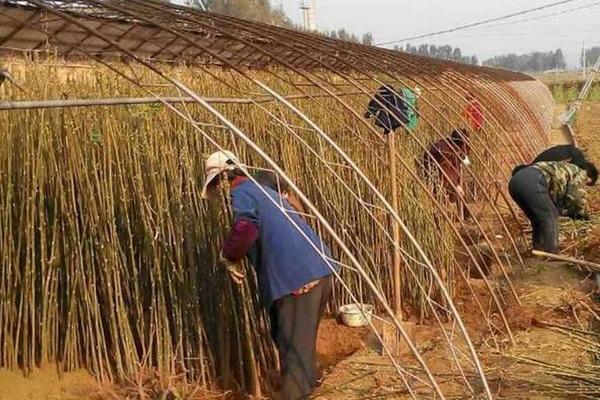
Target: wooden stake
[[461, 197], [593, 267], [395, 228]]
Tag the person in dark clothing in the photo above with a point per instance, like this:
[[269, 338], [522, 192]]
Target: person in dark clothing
[[272, 180], [566, 152], [546, 190], [393, 108], [388, 108], [443, 166], [294, 274]]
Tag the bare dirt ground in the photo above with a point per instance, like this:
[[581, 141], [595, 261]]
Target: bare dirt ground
[[560, 134], [45, 384], [550, 293]]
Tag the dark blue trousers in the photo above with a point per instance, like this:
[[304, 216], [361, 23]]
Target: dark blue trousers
[[529, 190]]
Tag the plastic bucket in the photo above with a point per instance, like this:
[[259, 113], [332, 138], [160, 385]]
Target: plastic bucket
[[352, 315]]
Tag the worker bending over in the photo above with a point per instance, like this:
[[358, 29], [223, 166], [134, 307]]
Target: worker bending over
[[294, 277], [564, 152], [546, 190], [443, 166]]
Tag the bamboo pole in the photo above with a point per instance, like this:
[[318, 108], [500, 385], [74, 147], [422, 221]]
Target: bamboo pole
[[44, 104], [593, 267], [395, 228]]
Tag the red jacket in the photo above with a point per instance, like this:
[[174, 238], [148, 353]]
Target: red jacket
[[473, 113]]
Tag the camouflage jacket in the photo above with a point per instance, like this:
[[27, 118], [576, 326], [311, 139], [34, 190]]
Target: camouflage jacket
[[566, 183]]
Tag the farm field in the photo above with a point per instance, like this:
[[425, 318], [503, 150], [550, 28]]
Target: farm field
[[565, 86], [185, 195]]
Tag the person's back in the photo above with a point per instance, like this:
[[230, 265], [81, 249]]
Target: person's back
[[442, 153], [289, 255], [450, 153], [394, 108], [388, 108], [544, 191], [473, 113], [567, 152], [566, 186], [272, 180], [564, 152]]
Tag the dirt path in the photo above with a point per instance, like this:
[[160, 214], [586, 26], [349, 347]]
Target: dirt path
[[560, 134]]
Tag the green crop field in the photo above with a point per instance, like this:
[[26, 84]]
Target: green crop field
[[565, 86]]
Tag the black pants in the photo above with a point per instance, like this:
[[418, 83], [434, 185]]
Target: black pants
[[529, 190], [295, 321]]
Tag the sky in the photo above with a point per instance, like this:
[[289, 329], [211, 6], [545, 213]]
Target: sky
[[397, 19]]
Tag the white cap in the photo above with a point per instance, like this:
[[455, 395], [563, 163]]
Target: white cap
[[467, 161], [216, 164], [418, 91]]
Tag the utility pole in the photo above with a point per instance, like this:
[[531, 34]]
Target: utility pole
[[309, 16], [575, 105], [583, 61]]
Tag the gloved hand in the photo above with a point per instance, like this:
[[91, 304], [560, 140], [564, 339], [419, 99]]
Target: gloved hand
[[368, 115], [234, 271]]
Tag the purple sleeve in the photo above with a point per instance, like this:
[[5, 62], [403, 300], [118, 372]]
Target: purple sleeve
[[240, 238], [245, 226]]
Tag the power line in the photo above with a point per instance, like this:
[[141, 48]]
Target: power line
[[555, 14], [522, 34], [484, 22]]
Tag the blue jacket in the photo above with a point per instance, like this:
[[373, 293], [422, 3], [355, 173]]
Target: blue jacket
[[284, 260]]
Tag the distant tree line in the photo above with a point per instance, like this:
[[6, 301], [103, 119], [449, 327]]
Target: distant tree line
[[343, 34], [263, 11], [533, 62], [444, 52], [254, 10]]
